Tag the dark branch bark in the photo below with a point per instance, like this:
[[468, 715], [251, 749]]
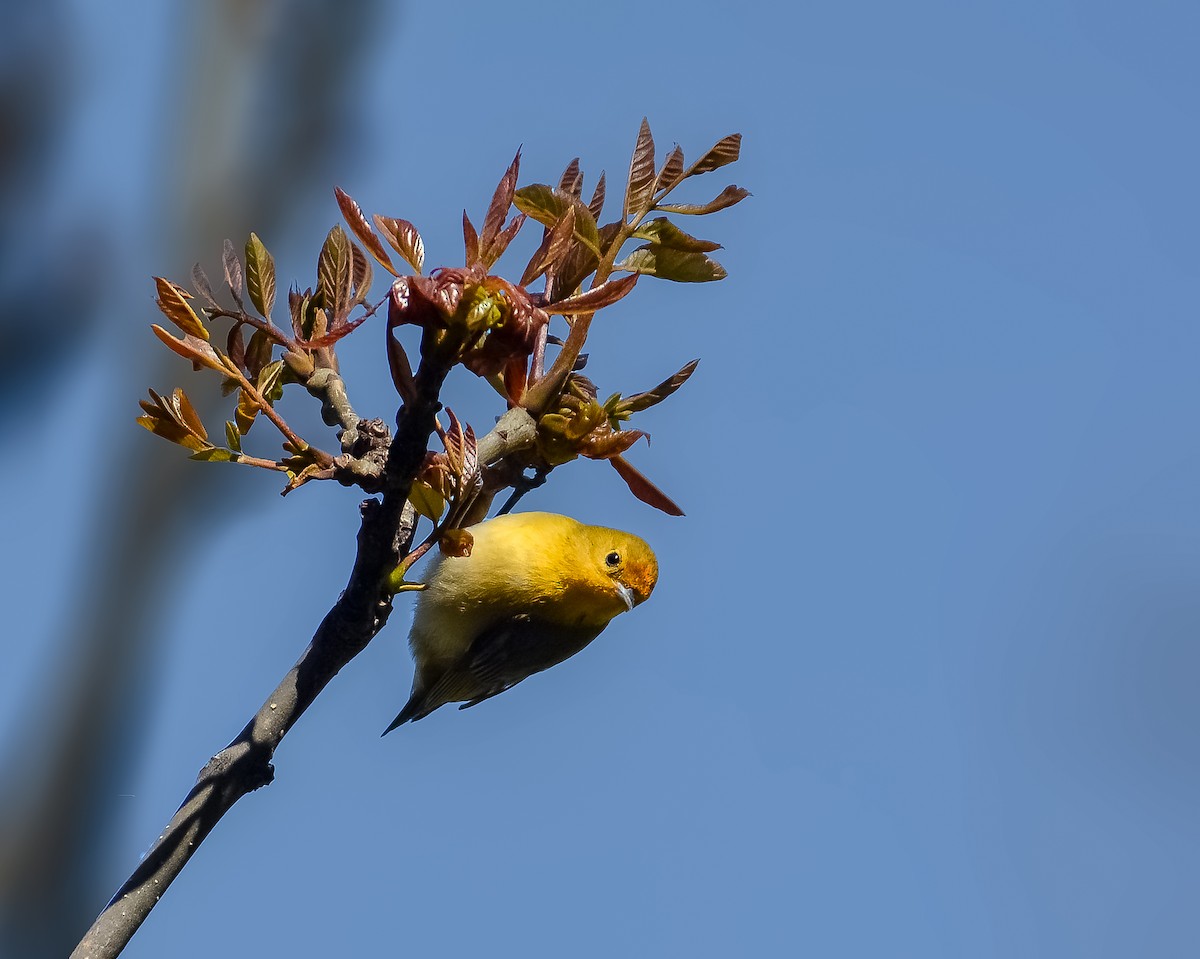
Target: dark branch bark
[[360, 612]]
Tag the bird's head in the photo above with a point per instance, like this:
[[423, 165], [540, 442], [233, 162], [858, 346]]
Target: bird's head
[[626, 564]]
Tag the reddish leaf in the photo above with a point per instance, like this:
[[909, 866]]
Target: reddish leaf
[[727, 197], [401, 370], [641, 173], [723, 152], [332, 336], [357, 221], [571, 180], [597, 205], [470, 241], [235, 346], [605, 446], [594, 299], [643, 489], [498, 209], [554, 246], [643, 401], [404, 238], [672, 170]]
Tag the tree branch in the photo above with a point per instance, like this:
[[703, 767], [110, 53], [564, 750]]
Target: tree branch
[[361, 611]]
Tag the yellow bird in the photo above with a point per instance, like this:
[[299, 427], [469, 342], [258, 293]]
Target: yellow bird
[[536, 589]]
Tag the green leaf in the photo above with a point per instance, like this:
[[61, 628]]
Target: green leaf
[[335, 274], [173, 301], [426, 500], [640, 188], [260, 276], [723, 152], [232, 437], [663, 232], [547, 204], [269, 383], [214, 454], [245, 413], [668, 264], [727, 197]]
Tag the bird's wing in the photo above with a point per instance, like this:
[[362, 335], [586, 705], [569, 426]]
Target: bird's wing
[[516, 648], [501, 656]]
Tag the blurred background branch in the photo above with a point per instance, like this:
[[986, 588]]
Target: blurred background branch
[[267, 88]]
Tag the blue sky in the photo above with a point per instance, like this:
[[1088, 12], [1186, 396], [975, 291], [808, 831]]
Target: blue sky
[[919, 677]]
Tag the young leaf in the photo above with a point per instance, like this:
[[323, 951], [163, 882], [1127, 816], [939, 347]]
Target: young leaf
[[335, 274], [554, 246], [233, 272], [641, 173], [173, 301], [357, 221], [500, 244], [401, 369], [596, 298], [498, 209], [426, 500], [470, 241], [269, 384], [643, 489], [678, 265], [214, 454], [571, 180], [190, 348], [404, 238], [245, 412], [723, 152], [727, 197], [547, 204], [663, 232], [643, 401], [258, 353], [203, 287], [174, 419], [260, 276], [671, 172], [233, 438], [362, 273], [596, 207]]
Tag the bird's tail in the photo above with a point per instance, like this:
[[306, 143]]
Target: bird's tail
[[413, 710]]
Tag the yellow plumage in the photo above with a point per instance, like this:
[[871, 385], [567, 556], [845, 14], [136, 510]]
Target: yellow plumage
[[536, 589]]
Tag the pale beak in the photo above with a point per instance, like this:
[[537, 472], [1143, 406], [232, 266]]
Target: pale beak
[[626, 595]]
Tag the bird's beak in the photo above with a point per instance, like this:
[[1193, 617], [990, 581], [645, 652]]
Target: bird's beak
[[627, 596]]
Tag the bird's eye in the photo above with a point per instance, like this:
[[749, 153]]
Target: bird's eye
[[613, 558]]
